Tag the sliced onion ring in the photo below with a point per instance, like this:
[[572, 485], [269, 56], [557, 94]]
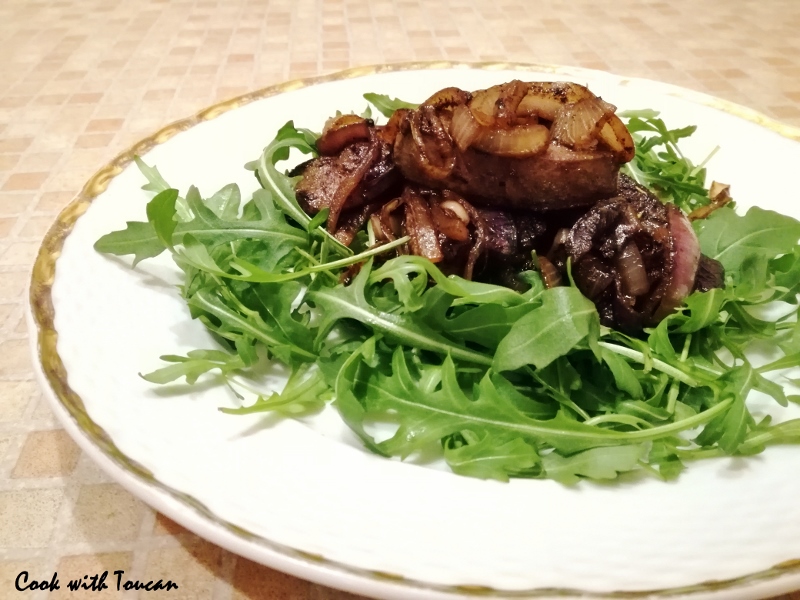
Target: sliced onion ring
[[340, 132], [505, 108], [449, 224], [631, 270], [577, 125], [617, 137], [419, 227], [480, 231], [516, 142], [482, 105], [391, 228], [464, 128], [435, 153], [451, 96], [540, 105], [456, 208]]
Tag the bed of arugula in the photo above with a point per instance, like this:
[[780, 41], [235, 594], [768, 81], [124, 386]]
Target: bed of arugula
[[499, 383]]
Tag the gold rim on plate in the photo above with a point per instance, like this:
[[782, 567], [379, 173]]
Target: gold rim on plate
[[43, 313]]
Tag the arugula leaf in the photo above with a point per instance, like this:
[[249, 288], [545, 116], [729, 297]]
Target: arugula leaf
[[144, 240], [233, 324], [596, 463], [565, 319], [468, 292], [279, 237], [486, 324], [138, 238], [624, 376], [664, 455], [786, 273], [432, 405], [732, 239], [350, 303], [428, 412], [487, 457], [281, 186], [195, 364], [704, 310], [303, 394], [156, 183], [660, 165], [349, 384], [386, 105], [225, 202], [161, 214]]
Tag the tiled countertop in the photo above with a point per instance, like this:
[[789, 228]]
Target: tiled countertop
[[82, 80]]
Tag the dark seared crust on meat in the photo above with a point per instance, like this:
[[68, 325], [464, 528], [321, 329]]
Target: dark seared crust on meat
[[557, 179], [710, 275], [322, 177], [633, 213], [595, 244]]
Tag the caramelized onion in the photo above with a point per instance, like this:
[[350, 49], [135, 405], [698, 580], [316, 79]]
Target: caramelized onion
[[433, 142], [419, 227], [351, 222], [542, 106], [719, 194], [545, 99], [516, 142], [390, 224], [464, 128], [449, 224], [480, 232], [483, 104], [377, 229], [577, 125], [550, 275], [389, 132], [559, 242], [631, 270], [511, 94], [451, 96], [456, 208], [350, 183], [617, 137], [558, 249], [341, 131]]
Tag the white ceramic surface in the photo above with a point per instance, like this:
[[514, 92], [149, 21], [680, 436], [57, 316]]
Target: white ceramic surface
[[309, 486]]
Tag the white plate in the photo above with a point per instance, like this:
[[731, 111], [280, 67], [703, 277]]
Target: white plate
[[303, 496]]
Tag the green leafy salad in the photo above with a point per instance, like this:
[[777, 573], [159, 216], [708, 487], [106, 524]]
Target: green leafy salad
[[499, 383]]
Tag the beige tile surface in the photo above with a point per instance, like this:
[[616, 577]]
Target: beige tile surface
[[46, 454], [82, 80]]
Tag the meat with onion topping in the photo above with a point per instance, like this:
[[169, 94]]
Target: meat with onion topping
[[356, 167], [481, 181], [527, 146], [636, 258]]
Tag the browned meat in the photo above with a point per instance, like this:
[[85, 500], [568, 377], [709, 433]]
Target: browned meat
[[525, 146], [634, 257], [511, 237], [324, 178], [560, 178], [351, 222], [358, 171], [710, 275]]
